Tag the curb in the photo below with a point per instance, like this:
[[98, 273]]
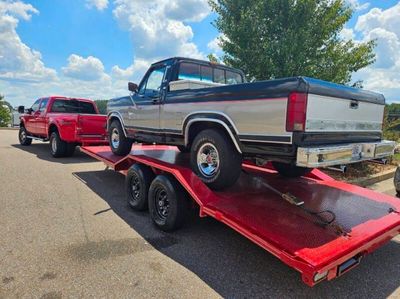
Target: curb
[[10, 129], [373, 179]]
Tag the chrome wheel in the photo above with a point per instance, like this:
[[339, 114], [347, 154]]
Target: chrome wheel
[[208, 160], [162, 203], [54, 145], [22, 135], [115, 138]]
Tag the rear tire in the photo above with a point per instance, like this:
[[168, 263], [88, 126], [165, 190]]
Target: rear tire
[[290, 170], [137, 184], [23, 137], [168, 204], [396, 181], [119, 143], [215, 159], [58, 147]]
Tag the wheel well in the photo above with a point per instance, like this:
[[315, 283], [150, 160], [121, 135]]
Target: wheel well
[[52, 128], [111, 119], [21, 124], [199, 126]]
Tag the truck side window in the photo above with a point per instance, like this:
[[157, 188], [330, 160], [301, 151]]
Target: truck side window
[[233, 77], [43, 105], [219, 76], [35, 106], [153, 83], [206, 73], [189, 71]]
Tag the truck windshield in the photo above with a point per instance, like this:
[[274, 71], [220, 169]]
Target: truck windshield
[[72, 106]]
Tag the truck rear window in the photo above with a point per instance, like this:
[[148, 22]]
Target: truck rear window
[[193, 71], [72, 106]]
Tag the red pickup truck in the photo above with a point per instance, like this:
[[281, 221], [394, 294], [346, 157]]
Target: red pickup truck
[[65, 122]]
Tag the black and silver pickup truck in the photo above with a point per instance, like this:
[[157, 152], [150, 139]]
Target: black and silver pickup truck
[[210, 110]]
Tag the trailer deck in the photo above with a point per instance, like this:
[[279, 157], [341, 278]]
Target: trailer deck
[[369, 219]]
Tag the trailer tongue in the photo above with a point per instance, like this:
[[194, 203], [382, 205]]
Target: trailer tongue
[[317, 225]]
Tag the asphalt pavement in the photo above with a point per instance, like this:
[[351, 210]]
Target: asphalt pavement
[[66, 232]]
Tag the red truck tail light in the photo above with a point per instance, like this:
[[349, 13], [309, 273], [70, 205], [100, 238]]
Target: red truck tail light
[[296, 112]]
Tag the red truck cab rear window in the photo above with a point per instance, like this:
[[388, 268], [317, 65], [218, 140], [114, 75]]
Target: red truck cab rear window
[[73, 106]]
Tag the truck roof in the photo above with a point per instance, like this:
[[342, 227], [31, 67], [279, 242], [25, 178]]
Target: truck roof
[[67, 98], [179, 58]]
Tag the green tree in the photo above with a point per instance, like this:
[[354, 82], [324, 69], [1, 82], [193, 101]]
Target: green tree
[[283, 38], [102, 106], [5, 112]]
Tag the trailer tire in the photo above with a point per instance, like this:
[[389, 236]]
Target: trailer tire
[[23, 137], [58, 147], [168, 204], [119, 143], [137, 183], [290, 170], [222, 163]]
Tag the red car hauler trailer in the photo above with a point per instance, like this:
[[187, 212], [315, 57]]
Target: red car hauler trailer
[[317, 225]]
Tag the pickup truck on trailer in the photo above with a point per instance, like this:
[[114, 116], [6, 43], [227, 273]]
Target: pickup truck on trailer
[[65, 122], [208, 109]]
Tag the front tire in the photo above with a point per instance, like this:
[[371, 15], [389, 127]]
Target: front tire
[[215, 160], [397, 181], [119, 143], [23, 137], [137, 184], [168, 204], [290, 170], [58, 147]]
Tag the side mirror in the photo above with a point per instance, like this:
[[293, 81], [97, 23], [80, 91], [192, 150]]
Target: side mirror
[[132, 86], [21, 109]]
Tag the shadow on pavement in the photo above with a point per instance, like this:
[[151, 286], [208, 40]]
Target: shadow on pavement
[[235, 267], [42, 151]]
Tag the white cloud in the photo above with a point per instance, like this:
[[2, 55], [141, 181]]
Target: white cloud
[[384, 27], [87, 69], [356, 5], [17, 60], [134, 72], [347, 34], [98, 4], [157, 27]]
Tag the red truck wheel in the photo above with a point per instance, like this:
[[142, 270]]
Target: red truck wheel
[[58, 147], [23, 137], [168, 204]]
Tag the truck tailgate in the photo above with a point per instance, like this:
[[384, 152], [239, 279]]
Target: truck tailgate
[[91, 124], [334, 114]]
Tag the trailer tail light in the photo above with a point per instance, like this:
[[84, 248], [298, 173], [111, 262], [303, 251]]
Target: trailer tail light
[[296, 112]]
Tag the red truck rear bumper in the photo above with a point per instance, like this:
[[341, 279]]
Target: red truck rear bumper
[[318, 253]]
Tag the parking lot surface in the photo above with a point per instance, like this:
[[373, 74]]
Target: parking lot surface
[[66, 231]]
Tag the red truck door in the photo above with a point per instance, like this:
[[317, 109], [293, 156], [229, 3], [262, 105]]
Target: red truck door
[[30, 119], [41, 118]]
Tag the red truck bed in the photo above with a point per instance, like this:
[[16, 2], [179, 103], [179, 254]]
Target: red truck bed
[[369, 218]]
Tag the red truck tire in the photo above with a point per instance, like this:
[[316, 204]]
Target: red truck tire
[[23, 137]]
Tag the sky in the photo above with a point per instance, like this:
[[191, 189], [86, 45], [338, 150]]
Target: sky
[[92, 48]]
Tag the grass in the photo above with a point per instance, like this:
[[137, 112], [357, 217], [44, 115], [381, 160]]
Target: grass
[[396, 157]]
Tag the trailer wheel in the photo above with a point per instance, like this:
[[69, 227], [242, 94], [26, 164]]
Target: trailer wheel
[[58, 147], [397, 181], [289, 170], [215, 160], [137, 184], [119, 143], [168, 204], [23, 137]]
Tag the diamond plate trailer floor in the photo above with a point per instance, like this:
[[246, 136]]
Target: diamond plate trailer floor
[[370, 219]]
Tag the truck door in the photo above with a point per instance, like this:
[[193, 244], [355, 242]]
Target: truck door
[[30, 119], [146, 113], [41, 118]]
